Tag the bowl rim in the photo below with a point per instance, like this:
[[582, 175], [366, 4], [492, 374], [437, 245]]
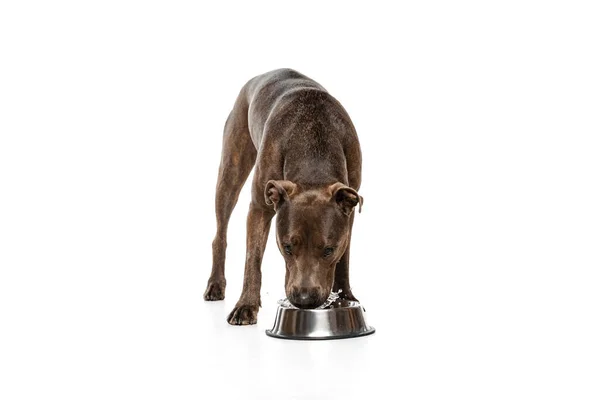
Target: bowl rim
[[350, 304]]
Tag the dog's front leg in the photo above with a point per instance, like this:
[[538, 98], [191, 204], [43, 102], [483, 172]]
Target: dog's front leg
[[342, 271], [258, 224]]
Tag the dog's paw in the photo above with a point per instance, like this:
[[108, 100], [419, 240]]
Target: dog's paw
[[215, 290], [243, 314]]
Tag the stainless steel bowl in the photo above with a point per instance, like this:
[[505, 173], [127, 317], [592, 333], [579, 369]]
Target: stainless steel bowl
[[339, 320]]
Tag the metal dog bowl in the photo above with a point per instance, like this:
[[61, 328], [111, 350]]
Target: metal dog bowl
[[338, 319]]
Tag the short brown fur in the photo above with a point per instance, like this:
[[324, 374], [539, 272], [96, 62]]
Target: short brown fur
[[307, 161]]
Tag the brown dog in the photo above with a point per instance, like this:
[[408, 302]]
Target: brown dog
[[308, 171]]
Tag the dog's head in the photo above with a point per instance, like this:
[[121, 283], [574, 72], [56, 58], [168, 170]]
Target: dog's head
[[313, 230]]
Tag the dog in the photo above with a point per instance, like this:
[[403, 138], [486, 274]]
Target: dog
[[307, 160]]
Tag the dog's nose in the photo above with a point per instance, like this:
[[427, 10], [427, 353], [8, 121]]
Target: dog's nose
[[305, 297]]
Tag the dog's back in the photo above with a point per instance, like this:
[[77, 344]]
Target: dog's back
[[296, 117]]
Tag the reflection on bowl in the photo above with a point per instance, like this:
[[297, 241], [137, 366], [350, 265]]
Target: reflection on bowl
[[339, 319]]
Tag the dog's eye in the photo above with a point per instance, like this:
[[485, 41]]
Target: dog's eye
[[287, 248], [328, 251]]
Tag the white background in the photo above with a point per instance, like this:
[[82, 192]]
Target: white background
[[476, 254]]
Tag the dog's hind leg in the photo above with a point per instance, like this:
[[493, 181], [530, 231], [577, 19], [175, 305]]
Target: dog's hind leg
[[237, 159]]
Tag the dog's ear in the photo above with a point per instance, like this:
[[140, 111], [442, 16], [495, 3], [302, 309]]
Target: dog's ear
[[276, 192], [346, 197]]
